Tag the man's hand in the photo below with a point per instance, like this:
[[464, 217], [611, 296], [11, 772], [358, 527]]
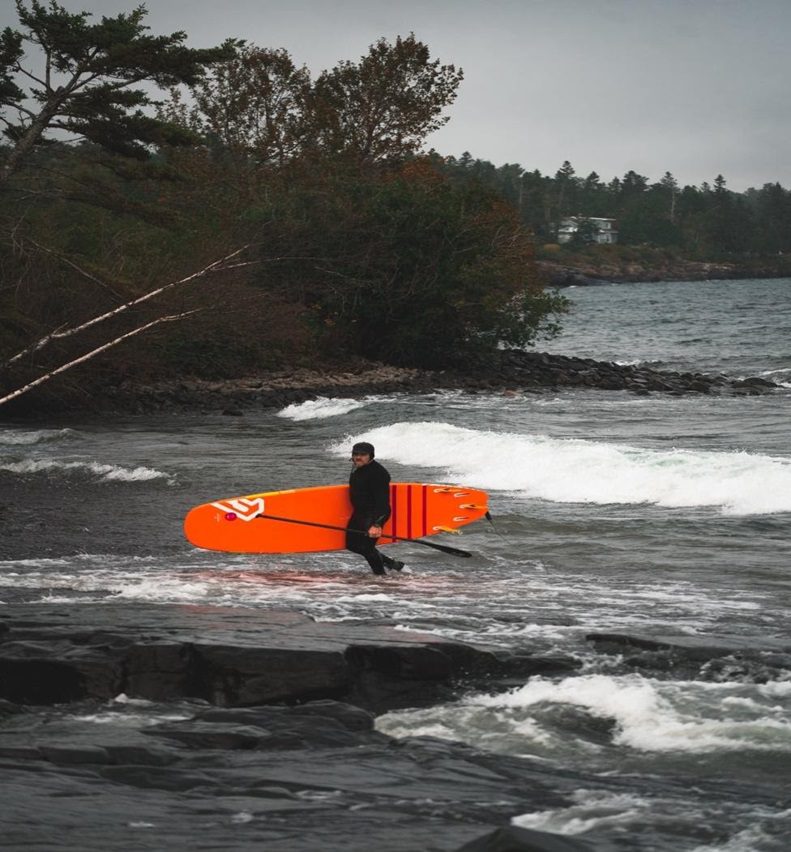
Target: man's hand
[[374, 531]]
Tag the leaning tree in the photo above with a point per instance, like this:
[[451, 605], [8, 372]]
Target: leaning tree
[[62, 73]]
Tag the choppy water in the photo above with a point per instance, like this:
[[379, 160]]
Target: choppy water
[[613, 512]]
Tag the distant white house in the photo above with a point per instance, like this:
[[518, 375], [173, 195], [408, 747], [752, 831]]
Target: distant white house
[[597, 229]]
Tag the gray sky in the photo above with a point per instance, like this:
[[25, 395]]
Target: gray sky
[[694, 87]]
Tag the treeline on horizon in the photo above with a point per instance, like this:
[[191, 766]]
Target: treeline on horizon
[[252, 217], [706, 222]]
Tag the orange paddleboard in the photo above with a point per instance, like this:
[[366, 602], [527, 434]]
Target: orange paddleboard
[[417, 510]]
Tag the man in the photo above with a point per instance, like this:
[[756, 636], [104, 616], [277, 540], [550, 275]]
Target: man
[[369, 489]]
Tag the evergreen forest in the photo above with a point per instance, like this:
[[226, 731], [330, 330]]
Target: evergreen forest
[[706, 222]]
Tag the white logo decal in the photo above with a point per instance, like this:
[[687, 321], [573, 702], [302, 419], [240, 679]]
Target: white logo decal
[[245, 509]]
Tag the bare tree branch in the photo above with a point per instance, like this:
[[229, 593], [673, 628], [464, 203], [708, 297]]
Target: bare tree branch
[[76, 268], [88, 355], [220, 265]]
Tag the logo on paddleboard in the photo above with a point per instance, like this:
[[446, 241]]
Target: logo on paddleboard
[[243, 509]]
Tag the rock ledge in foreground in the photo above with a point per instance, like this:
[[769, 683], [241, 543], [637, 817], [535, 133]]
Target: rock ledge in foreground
[[234, 658]]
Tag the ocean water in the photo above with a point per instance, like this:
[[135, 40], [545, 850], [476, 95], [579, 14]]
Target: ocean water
[[649, 515]]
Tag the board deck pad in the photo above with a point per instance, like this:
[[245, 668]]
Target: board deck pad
[[418, 509]]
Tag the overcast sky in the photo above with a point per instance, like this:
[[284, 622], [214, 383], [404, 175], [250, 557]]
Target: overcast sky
[[694, 87]]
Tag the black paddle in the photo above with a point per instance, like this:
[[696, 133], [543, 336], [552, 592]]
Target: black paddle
[[452, 551]]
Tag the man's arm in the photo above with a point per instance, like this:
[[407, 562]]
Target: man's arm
[[380, 491]]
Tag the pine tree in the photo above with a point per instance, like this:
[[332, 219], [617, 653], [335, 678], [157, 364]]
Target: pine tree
[[86, 79]]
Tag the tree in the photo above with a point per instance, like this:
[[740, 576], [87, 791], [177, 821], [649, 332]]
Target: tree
[[772, 206], [85, 79], [406, 266], [255, 104], [633, 184], [669, 186], [728, 222], [566, 182], [384, 106]]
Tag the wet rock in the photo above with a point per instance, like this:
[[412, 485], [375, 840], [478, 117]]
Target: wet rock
[[718, 658], [50, 655], [515, 839], [232, 779], [513, 371]]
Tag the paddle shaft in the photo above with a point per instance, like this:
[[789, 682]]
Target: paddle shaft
[[452, 551]]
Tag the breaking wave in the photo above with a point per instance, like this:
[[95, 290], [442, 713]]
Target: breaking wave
[[582, 471], [18, 437], [106, 472], [317, 409]]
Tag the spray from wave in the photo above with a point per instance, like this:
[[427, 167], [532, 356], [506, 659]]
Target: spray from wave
[[106, 472], [640, 713], [581, 471], [320, 408], [17, 437]]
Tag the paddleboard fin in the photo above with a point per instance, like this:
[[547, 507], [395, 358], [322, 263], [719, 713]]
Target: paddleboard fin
[[450, 530]]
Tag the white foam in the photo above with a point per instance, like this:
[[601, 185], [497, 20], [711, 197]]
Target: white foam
[[592, 809], [17, 437], [663, 716], [320, 408], [165, 589], [107, 472], [753, 839], [587, 471]]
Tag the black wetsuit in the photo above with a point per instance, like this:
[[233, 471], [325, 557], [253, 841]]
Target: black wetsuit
[[369, 489]]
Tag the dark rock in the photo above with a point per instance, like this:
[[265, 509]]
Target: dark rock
[[64, 755], [513, 370], [755, 381], [55, 658], [515, 839], [319, 724], [199, 734], [8, 708], [140, 755], [718, 658], [205, 789], [230, 675], [695, 647]]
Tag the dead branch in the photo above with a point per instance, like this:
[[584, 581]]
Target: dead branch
[[88, 355], [220, 265]]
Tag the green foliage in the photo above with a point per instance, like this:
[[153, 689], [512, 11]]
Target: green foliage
[[408, 268], [85, 79], [255, 105], [386, 104]]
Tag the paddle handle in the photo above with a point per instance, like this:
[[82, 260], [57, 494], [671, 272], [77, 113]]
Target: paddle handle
[[452, 551]]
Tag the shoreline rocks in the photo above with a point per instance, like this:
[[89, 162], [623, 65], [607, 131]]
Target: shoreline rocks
[[613, 269], [508, 372]]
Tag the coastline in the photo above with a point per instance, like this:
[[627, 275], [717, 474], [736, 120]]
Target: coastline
[[598, 271], [508, 372], [512, 372]]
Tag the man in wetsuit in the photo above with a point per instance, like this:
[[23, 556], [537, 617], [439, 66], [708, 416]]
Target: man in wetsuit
[[369, 490]]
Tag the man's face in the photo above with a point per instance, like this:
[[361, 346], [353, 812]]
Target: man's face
[[360, 459]]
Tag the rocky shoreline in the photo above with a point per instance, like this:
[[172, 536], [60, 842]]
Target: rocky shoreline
[[619, 270], [129, 727], [509, 372]]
